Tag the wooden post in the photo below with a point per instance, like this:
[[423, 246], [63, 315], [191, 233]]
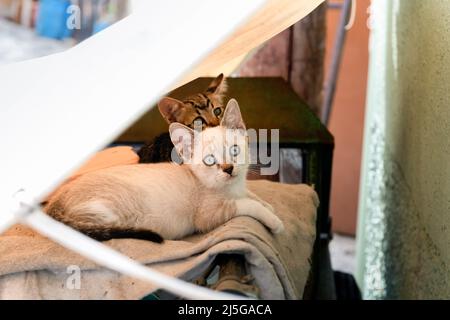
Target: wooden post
[[306, 74]]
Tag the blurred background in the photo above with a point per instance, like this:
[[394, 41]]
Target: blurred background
[[33, 28]]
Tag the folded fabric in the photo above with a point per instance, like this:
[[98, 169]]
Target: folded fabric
[[34, 267]]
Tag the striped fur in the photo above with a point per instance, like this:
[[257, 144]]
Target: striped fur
[[206, 107]]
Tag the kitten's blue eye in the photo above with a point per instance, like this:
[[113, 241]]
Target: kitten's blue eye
[[235, 150], [209, 160]]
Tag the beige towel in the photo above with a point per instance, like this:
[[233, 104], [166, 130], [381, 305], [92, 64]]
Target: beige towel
[[33, 267]]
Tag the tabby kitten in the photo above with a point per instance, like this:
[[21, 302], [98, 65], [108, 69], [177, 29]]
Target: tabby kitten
[[206, 107], [166, 200]]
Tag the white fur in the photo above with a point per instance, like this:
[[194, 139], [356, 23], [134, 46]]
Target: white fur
[[167, 198]]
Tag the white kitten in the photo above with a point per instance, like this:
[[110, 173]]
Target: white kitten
[[150, 201]]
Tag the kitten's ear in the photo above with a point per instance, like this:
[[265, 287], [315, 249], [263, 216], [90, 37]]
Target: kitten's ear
[[183, 139], [170, 109], [218, 86], [232, 118]]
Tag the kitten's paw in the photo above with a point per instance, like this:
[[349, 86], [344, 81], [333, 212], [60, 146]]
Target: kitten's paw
[[257, 210], [277, 226], [268, 206]]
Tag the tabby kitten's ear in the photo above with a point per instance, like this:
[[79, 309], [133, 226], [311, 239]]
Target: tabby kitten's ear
[[170, 109], [218, 86], [232, 118], [183, 139]]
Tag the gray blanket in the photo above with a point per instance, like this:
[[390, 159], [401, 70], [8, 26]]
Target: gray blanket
[[34, 267]]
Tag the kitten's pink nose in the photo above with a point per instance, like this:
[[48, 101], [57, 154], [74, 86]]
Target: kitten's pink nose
[[227, 168]]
